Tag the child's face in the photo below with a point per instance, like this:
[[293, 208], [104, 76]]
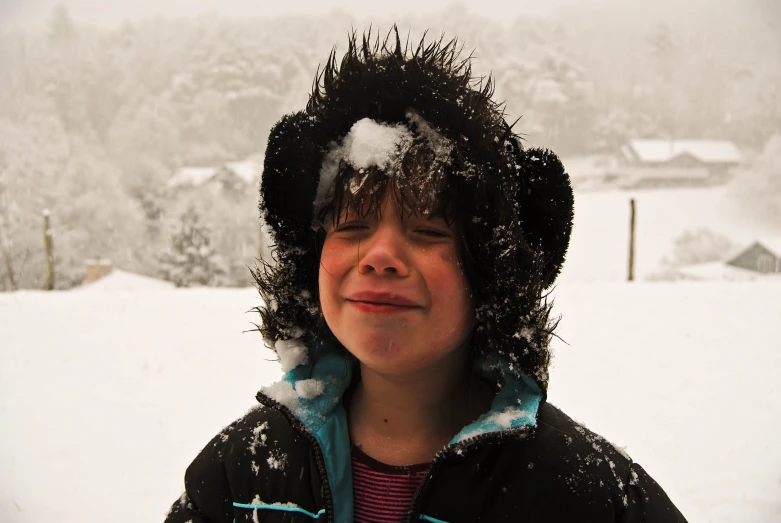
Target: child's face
[[392, 292]]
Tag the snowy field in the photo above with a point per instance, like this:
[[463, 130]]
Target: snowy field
[[106, 394], [105, 397]]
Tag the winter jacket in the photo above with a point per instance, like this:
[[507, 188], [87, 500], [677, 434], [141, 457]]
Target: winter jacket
[[288, 459]]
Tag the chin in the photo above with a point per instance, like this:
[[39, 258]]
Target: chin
[[380, 347], [395, 358], [393, 368]]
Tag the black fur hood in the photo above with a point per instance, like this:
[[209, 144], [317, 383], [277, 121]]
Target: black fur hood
[[519, 200]]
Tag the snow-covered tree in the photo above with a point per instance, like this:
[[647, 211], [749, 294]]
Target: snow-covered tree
[[701, 246], [61, 28], [758, 189], [191, 260]]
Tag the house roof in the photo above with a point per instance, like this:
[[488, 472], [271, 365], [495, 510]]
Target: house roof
[[773, 244], [706, 151], [249, 171], [191, 176]]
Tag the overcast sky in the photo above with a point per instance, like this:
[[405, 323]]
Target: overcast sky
[[111, 12]]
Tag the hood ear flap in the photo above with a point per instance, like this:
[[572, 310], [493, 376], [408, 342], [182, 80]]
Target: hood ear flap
[[290, 176], [546, 207]]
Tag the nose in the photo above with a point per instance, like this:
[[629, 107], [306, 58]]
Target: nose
[[384, 253]]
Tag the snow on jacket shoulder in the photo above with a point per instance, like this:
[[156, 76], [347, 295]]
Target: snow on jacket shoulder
[[256, 461], [266, 467]]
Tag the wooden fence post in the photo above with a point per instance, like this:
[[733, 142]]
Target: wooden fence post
[[49, 243], [632, 239]]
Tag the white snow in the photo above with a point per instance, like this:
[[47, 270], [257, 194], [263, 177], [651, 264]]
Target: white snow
[[110, 395], [440, 145], [374, 144], [277, 460], [502, 419], [723, 272], [367, 144], [259, 438], [191, 176], [284, 393], [292, 353], [118, 279], [709, 151], [310, 388]]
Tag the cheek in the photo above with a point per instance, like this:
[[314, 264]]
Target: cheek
[[330, 260], [326, 273], [334, 264], [447, 279], [337, 252]]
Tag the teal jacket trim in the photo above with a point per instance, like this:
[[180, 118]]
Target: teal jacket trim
[[432, 520], [313, 392], [329, 370], [514, 406], [281, 508], [334, 439]]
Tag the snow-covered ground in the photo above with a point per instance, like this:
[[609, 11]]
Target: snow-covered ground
[[105, 397], [107, 394]]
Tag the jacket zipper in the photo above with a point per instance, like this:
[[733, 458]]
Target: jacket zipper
[[435, 464], [414, 513], [319, 460]]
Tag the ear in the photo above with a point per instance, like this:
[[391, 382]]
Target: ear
[[290, 176], [546, 207]]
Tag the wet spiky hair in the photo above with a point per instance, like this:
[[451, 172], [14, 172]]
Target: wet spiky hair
[[513, 206]]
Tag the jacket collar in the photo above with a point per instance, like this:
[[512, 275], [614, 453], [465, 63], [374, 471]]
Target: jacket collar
[[313, 391]]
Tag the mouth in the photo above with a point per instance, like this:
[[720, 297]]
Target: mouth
[[379, 307], [382, 302]]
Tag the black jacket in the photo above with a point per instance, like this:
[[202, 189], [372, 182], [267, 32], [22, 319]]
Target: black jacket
[[527, 462]]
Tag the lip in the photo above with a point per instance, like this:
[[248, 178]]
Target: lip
[[380, 308], [383, 299], [381, 302]]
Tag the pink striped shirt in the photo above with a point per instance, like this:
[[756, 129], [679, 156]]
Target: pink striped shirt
[[383, 493]]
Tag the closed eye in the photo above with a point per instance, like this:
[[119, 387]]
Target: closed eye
[[351, 226], [434, 233]]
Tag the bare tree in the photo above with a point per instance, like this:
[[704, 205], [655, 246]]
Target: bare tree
[[5, 221]]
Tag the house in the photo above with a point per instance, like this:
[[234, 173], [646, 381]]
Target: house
[[238, 176], [589, 172], [187, 177], [674, 162], [228, 176], [762, 256], [760, 260], [101, 275]]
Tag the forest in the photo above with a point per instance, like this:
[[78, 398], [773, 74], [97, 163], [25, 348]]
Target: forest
[[95, 120]]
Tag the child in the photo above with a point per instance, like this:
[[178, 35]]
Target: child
[[415, 240]]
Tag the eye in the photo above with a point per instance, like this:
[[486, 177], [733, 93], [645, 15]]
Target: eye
[[351, 227], [433, 233]]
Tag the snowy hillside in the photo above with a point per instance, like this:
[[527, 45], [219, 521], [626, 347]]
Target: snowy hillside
[[105, 397]]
